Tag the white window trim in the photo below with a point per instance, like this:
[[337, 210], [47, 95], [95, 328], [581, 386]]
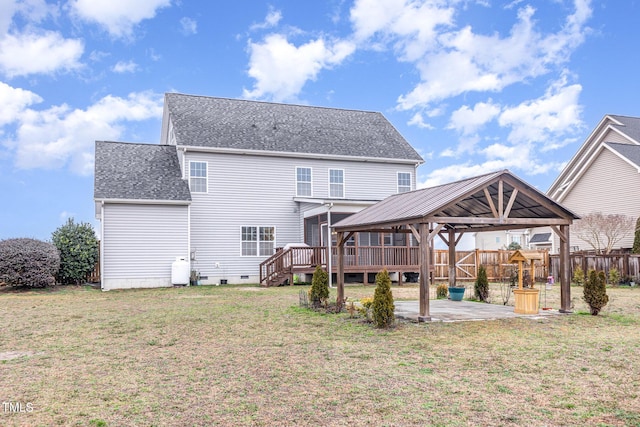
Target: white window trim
[[310, 182], [398, 181], [344, 184], [257, 255], [206, 177]]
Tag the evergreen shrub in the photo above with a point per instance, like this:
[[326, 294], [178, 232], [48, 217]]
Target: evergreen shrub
[[28, 262], [319, 292], [595, 291], [78, 247], [482, 285], [383, 307]]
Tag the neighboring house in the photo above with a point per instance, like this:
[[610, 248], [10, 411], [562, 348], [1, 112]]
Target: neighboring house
[[233, 180], [494, 240], [604, 175]]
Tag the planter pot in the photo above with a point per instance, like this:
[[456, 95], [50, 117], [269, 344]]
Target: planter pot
[[456, 294]]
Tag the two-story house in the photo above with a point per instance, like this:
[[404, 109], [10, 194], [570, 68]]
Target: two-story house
[[233, 180]]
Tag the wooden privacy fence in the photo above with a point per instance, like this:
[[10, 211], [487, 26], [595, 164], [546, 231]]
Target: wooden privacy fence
[[628, 265], [496, 263]]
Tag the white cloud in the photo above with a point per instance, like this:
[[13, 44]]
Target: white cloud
[[13, 101], [281, 68], [125, 67], [189, 26], [118, 17], [467, 121], [412, 26], [554, 115], [61, 136], [462, 61], [418, 120], [272, 19], [48, 52]]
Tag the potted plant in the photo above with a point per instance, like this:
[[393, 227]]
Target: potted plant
[[456, 293]]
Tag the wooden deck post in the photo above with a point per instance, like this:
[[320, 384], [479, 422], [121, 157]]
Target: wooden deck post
[[340, 270], [565, 270], [425, 264]]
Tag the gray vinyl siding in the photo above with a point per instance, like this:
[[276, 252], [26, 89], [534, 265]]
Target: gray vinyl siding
[[607, 186], [245, 190], [612, 136], [140, 242]]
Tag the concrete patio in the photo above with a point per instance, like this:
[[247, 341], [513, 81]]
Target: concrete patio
[[443, 310]]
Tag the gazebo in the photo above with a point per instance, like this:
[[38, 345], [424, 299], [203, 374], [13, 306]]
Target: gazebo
[[490, 202]]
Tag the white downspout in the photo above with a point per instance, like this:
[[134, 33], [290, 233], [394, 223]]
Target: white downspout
[[102, 245]]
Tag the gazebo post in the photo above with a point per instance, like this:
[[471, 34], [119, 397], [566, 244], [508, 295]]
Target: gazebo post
[[565, 270], [340, 269], [425, 263], [452, 257]]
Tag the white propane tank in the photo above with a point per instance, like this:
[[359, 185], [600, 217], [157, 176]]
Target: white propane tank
[[180, 271]]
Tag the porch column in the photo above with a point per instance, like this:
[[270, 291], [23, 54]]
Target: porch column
[[565, 270], [452, 257], [340, 270], [425, 264]]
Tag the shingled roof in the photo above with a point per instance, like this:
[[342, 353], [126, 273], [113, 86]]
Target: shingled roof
[[630, 126], [138, 172], [630, 152], [201, 121]]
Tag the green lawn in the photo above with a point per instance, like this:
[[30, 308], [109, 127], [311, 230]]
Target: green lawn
[[232, 356]]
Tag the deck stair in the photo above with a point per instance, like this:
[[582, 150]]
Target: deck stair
[[281, 266]]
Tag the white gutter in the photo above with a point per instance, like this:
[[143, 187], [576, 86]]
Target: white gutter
[[145, 201], [242, 151], [102, 245]]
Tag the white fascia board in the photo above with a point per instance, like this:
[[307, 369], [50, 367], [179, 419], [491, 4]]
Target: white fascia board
[[343, 206], [144, 202], [297, 155]]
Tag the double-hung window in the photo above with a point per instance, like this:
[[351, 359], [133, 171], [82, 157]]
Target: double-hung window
[[258, 241], [303, 182], [336, 183], [198, 177], [404, 182]]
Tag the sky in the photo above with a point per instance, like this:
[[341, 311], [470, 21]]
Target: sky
[[474, 86]]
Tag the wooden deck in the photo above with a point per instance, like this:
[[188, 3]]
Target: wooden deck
[[284, 264]]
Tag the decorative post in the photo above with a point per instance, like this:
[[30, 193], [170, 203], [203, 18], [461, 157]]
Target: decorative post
[[565, 270], [425, 264], [340, 270], [452, 257]]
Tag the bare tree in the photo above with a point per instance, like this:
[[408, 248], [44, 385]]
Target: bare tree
[[602, 232]]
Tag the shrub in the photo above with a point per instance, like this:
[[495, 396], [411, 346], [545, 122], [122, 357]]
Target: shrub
[[441, 291], [614, 277], [78, 248], [578, 276], [383, 307], [365, 307], [482, 285], [636, 238], [28, 262], [595, 292], [319, 292]]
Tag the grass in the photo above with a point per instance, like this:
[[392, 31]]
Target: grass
[[250, 356]]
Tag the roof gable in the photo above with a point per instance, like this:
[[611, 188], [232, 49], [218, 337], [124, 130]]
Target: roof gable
[[222, 123], [627, 127], [127, 171]]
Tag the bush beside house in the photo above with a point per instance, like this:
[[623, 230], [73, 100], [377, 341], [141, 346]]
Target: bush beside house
[[78, 247], [28, 262]]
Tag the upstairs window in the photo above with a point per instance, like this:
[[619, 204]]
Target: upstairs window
[[336, 183], [198, 177], [303, 182], [404, 182], [258, 241]]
